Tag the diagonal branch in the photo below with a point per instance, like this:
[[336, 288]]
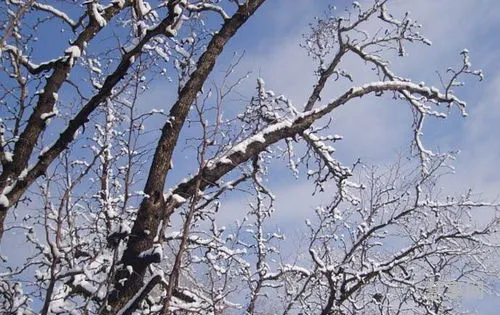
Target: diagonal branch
[[151, 210], [273, 133], [36, 124]]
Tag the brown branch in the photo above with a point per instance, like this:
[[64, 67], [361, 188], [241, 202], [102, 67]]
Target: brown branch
[[79, 120], [255, 144], [28, 138], [152, 208]]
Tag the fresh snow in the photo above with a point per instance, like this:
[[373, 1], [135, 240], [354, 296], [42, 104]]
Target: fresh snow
[[119, 3], [23, 174], [156, 250], [178, 198], [46, 116], [8, 156], [97, 15], [73, 53], [4, 201]]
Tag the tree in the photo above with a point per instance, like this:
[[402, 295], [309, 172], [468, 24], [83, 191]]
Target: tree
[[82, 171]]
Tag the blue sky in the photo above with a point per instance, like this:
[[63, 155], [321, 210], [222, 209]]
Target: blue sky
[[376, 132], [274, 53]]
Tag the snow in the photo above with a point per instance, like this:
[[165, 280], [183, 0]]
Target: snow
[[172, 30], [161, 51], [94, 65], [44, 150], [119, 3], [130, 269], [96, 84], [225, 160], [178, 198], [4, 201], [158, 232], [155, 251], [260, 138], [125, 308], [297, 269], [159, 111], [46, 116], [178, 9], [8, 156], [167, 194], [125, 228], [316, 258], [23, 174], [98, 17], [81, 280], [142, 194], [73, 53], [143, 7], [53, 10]]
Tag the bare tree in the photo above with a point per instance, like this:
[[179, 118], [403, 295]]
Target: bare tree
[[85, 180], [387, 252]]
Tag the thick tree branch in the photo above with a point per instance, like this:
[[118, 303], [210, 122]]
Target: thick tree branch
[[36, 123], [152, 208], [273, 133], [68, 135]]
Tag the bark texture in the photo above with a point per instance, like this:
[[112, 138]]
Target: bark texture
[[153, 208]]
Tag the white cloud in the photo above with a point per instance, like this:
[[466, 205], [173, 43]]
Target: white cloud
[[377, 128]]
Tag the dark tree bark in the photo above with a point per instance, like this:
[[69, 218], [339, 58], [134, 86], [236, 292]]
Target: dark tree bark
[[28, 138], [153, 207]]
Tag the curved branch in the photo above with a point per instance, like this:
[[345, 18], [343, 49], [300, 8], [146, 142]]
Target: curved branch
[[273, 133]]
